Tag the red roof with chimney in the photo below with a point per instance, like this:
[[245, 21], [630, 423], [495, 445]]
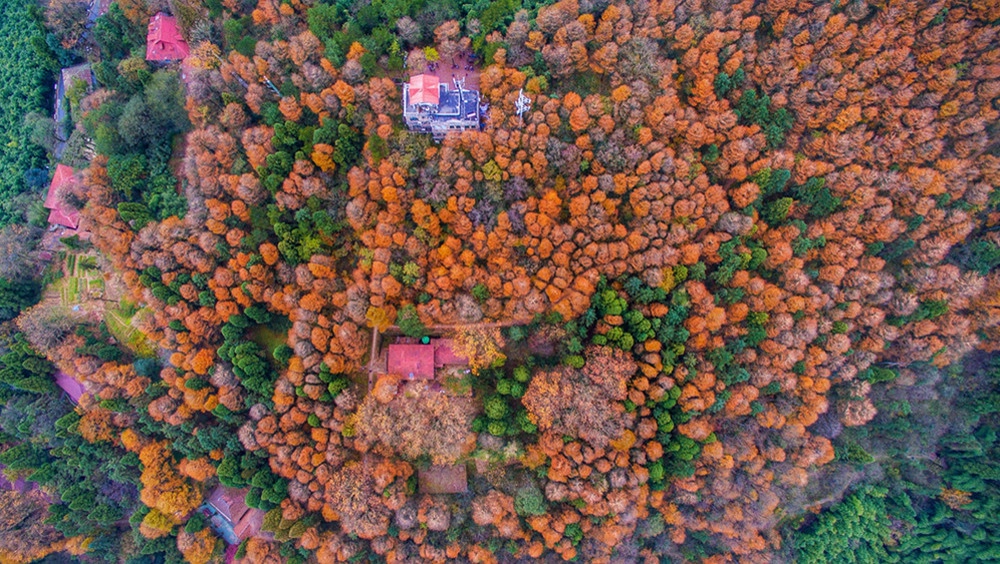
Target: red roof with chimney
[[411, 361], [61, 214], [424, 90], [164, 41]]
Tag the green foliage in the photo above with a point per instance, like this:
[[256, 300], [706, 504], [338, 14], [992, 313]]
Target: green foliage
[[529, 501], [946, 511], [117, 36], [248, 360], [23, 89], [195, 523], [877, 374], [127, 173], [480, 292], [776, 211], [17, 295], [324, 19], [979, 255], [337, 385], [896, 250], [134, 213], [818, 197], [854, 453], [495, 407], [95, 483], [722, 85], [409, 322], [855, 530], [754, 108]]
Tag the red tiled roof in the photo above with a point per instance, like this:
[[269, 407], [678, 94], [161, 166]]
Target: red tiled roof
[[164, 41], [249, 525], [65, 217], [61, 214], [64, 176], [229, 502], [411, 361], [444, 354], [424, 90]]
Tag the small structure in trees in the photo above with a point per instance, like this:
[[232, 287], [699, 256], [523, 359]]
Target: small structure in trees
[[430, 106], [229, 515], [60, 213], [522, 105], [164, 42]]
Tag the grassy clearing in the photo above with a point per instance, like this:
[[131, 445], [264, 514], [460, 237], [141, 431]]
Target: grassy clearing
[[120, 323], [268, 338]]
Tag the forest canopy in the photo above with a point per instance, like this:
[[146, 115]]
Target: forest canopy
[[685, 292], [24, 88]]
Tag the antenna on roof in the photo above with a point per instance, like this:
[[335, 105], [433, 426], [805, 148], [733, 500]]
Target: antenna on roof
[[522, 105]]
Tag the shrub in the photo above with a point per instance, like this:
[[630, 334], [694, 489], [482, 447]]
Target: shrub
[[529, 501], [409, 322]]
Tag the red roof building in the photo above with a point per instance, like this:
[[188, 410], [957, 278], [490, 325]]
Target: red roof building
[[60, 213], [244, 521], [164, 41], [413, 362], [424, 89]]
